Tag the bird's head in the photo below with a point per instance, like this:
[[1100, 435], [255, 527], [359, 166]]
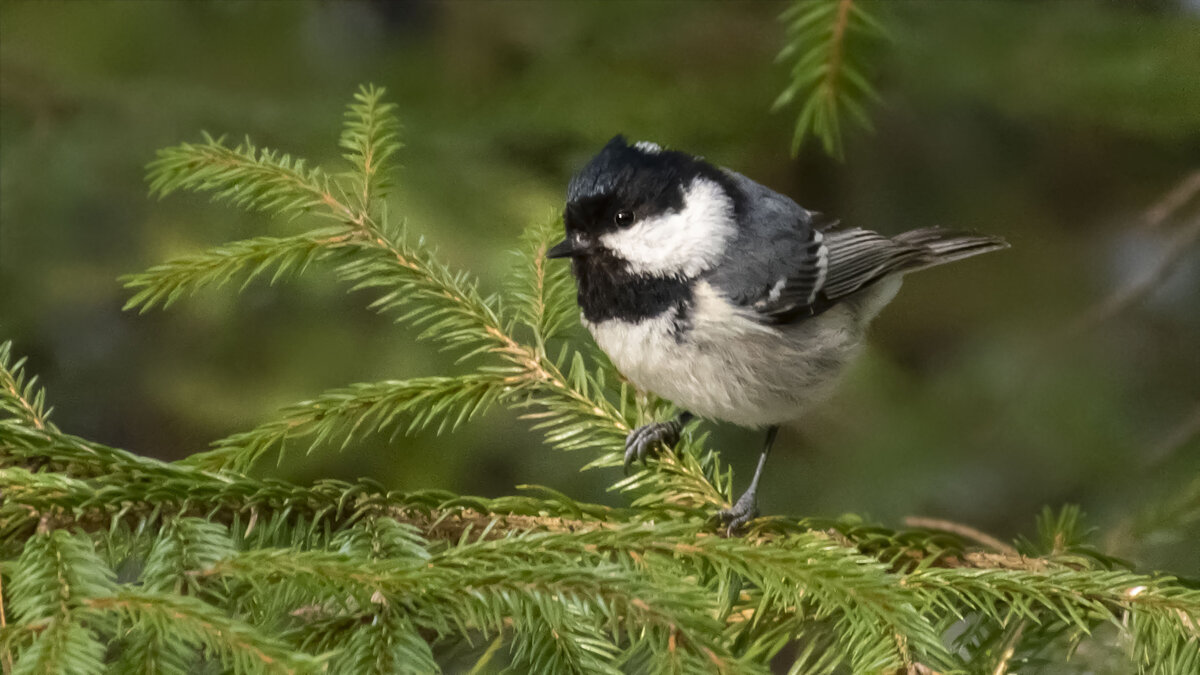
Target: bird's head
[[650, 211]]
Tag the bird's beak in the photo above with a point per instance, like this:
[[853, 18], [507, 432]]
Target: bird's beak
[[568, 248]]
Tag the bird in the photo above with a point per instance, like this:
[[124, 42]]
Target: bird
[[725, 297]]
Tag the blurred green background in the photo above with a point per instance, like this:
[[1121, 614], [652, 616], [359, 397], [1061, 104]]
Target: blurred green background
[[1056, 125]]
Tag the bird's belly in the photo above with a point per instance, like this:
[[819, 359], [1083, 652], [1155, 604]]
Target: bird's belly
[[750, 375]]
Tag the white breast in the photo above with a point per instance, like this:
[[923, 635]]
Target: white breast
[[720, 363]]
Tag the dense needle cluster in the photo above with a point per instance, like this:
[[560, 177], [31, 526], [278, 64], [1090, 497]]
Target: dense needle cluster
[[117, 563]]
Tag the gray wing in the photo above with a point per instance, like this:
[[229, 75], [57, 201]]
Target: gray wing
[[789, 272], [788, 263], [774, 253]]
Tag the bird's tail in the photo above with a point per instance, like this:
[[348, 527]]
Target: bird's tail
[[940, 246], [859, 257]]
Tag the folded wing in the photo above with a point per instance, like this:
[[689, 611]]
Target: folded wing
[[836, 263]]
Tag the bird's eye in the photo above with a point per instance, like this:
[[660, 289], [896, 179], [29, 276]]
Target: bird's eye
[[623, 218]]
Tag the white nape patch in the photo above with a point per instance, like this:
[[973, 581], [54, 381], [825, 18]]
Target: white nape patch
[[679, 243], [648, 147], [822, 266]]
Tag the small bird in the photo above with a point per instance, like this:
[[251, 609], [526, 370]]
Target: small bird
[[723, 296]]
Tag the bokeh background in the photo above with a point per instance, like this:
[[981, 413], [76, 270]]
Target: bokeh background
[[991, 389]]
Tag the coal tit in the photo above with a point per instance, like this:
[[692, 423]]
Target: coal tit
[[725, 297]]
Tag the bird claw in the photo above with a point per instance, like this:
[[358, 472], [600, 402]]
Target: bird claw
[[640, 441], [743, 511]]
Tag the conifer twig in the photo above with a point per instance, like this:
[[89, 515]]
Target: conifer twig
[[169, 282], [237, 642], [824, 76], [18, 396]]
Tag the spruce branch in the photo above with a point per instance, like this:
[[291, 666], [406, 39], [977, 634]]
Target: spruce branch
[[181, 619], [184, 544], [867, 604], [1159, 615], [136, 494], [780, 593], [145, 652], [406, 274], [141, 497], [353, 412], [382, 642], [55, 573], [826, 75], [22, 399], [62, 647], [265, 180], [69, 456], [257, 179], [54, 578], [522, 579], [370, 137], [541, 295], [425, 293], [163, 285], [382, 538]]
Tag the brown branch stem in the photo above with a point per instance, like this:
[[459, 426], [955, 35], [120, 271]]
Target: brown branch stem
[[6, 660], [837, 40], [452, 524], [964, 531]]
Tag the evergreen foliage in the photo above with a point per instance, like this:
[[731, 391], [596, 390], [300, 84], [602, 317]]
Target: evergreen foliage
[[826, 76], [115, 561]]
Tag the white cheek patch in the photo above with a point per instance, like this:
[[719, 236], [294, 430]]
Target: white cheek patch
[[682, 243]]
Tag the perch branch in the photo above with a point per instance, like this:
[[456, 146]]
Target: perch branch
[[964, 531]]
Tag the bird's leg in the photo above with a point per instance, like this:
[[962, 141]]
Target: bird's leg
[[746, 507], [641, 440]]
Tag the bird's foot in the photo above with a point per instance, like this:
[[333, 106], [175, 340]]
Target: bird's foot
[[743, 511], [642, 440]]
